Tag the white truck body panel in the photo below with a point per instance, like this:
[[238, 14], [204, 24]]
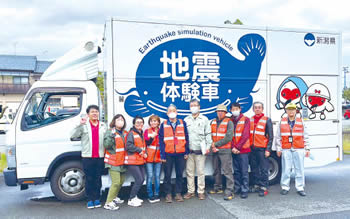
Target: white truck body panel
[[300, 61]]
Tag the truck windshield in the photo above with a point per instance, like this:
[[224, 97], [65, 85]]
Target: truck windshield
[[45, 108]]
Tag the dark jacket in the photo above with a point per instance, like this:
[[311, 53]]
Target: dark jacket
[[130, 145]]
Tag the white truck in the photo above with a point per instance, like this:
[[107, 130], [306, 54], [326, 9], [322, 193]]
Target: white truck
[[149, 65]]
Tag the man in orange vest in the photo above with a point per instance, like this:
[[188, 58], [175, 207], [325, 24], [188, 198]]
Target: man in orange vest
[[174, 150], [261, 138], [240, 150], [222, 132], [292, 142]]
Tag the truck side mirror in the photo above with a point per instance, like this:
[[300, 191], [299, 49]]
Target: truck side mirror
[[10, 116]]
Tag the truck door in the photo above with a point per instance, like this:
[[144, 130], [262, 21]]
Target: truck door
[[43, 131]]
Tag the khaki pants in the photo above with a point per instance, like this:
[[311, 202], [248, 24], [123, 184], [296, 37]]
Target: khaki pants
[[195, 163], [222, 163], [117, 182]]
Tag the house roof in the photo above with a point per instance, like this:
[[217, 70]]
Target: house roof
[[23, 63]]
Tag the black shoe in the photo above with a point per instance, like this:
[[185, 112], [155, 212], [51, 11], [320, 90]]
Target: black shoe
[[284, 192], [261, 193], [244, 195], [302, 193]]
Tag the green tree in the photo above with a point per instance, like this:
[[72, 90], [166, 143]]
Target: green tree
[[100, 85], [237, 21], [346, 94]]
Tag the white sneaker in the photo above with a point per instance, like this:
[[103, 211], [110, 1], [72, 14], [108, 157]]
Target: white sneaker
[[111, 206], [117, 200], [134, 202], [140, 200]]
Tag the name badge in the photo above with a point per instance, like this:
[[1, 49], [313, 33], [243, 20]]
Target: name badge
[[290, 139]]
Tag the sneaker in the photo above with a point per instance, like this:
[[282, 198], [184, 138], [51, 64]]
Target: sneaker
[[244, 195], [134, 202], [168, 198], [228, 197], [284, 192], [117, 200], [97, 203], [153, 200], [90, 205], [178, 197], [263, 192], [140, 200], [216, 191], [189, 195], [201, 196], [111, 206], [156, 198], [302, 193]]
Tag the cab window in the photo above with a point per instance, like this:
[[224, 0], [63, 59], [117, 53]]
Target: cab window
[[45, 108]]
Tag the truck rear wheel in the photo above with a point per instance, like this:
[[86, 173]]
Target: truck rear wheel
[[275, 169], [68, 181]]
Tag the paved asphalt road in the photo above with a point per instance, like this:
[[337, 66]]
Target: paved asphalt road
[[327, 197]]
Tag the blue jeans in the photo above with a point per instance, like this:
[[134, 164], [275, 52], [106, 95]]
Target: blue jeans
[[153, 170]]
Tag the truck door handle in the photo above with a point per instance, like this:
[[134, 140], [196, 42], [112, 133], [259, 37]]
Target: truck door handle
[[336, 121], [76, 139]]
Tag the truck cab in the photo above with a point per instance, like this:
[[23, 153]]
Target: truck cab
[[39, 145]]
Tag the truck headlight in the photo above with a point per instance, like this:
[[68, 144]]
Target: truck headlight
[[11, 157]]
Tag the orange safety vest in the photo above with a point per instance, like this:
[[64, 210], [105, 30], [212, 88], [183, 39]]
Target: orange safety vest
[[153, 152], [177, 143], [239, 131], [218, 133], [257, 134], [297, 134], [117, 159], [135, 158]]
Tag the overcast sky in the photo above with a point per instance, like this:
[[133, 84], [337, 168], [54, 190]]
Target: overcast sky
[[48, 28]]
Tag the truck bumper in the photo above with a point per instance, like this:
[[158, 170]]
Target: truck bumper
[[10, 177]]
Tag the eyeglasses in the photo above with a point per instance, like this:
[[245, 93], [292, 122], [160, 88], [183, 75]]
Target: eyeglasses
[[138, 122]]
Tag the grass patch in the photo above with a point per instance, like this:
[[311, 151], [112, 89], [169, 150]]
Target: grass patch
[[3, 163], [346, 143]]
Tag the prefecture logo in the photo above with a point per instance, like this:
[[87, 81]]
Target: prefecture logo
[[309, 39]]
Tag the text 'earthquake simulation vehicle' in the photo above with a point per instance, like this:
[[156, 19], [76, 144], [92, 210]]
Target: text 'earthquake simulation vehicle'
[[148, 65]]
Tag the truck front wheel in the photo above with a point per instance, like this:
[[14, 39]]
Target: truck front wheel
[[68, 181], [275, 169]]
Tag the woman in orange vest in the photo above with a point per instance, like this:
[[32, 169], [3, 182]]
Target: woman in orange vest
[[154, 164], [114, 143], [136, 158]]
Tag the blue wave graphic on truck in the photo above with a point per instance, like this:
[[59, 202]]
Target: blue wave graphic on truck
[[183, 69]]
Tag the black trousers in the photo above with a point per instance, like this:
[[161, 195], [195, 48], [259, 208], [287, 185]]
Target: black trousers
[[179, 162], [93, 168], [240, 174], [259, 166], [138, 172]]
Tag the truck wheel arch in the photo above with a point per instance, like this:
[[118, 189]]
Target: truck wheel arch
[[68, 156]]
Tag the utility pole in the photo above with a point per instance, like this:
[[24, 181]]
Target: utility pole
[[345, 70], [15, 45]]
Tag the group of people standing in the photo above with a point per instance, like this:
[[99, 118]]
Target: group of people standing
[[234, 140]]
